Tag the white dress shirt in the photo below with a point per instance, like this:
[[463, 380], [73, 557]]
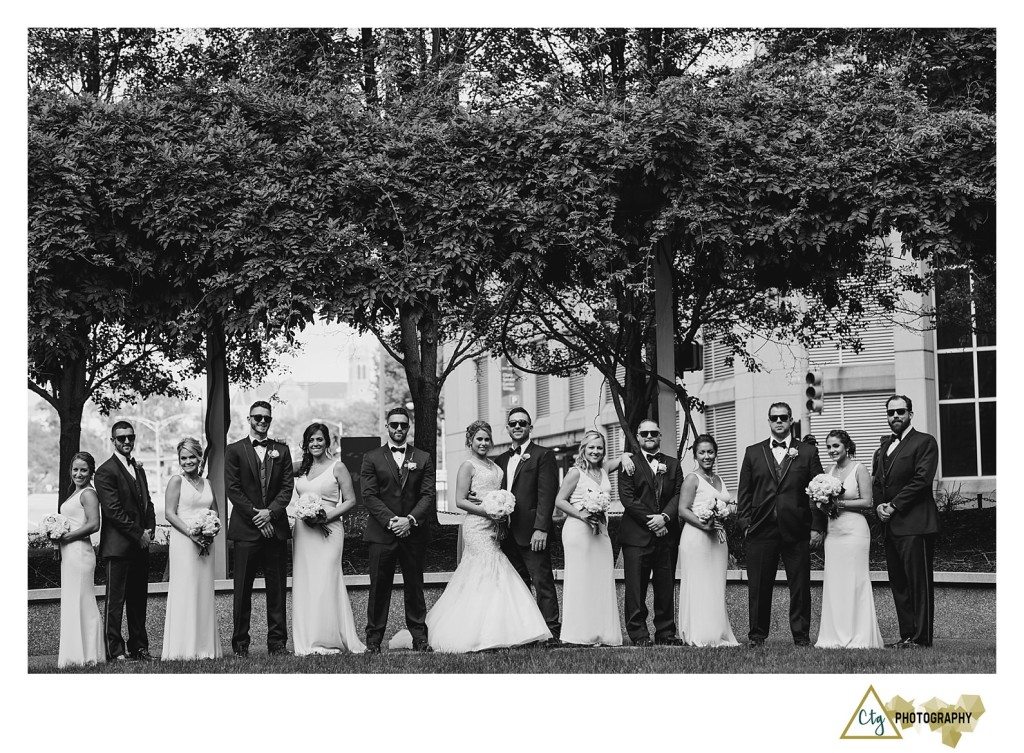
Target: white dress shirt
[[125, 463], [514, 460], [899, 438], [779, 452]]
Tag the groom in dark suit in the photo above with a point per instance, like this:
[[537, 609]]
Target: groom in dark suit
[[398, 490], [532, 477], [258, 476], [129, 522], [649, 537], [905, 467], [779, 519]]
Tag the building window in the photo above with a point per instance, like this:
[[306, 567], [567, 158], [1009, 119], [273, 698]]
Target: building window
[[543, 395], [876, 338], [620, 377], [482, 395], [715, 367], [720, 422], [859, 414], [965, 360], [577, 393], [614, 446]]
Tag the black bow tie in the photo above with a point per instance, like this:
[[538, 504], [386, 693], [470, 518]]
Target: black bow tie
[[517, 451], [650, 458], [894, 437], [778, 444], [261, 443], [398, 449], [133, 463]]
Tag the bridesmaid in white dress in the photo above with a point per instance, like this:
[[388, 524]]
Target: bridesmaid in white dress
[[848, 618], [322, 621], [703, 617], [81, 631], [486, 605], [590, 607], [190, 623]]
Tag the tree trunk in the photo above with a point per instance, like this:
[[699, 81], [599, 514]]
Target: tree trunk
[[419, 334], [70, 397], [369, 69]]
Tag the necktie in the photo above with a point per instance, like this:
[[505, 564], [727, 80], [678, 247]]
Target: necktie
[[517, 451], [260, 442], [398, 449], [778, 444]]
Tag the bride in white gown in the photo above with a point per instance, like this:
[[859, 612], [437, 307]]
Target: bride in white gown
[[486, 604], [81, 632]]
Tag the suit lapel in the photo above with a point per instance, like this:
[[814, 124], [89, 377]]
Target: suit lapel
[[519, 466], [254, 462], [389, 461], [132, 484], [268, 463], [403, 472], [652, 477], [889, 460], [787, 460], [769, 459]]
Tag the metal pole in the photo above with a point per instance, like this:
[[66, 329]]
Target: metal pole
[[664, 337]]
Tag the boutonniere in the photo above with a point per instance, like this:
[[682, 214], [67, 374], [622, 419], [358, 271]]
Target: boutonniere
[[411, 466], [661, 467], [792, 452], [526, 456], [274, 453], [138, 465]]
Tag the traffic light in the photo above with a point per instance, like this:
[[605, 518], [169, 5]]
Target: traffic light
[[815, 392]]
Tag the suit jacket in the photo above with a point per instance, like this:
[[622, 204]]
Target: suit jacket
[[535, 486], [127, 509], [649, 493], [247, 494], [763, 487], [904, 480], [390, 490]]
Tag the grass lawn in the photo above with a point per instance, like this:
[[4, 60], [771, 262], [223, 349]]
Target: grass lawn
[[946, 657]]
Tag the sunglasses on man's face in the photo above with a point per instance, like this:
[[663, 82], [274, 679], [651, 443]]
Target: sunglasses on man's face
[[646, 434], [896, 412], [397, 425], [261, 419], [778, 418], [125, 439], [518, 424]]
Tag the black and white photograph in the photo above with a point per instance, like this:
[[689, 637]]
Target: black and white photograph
[[516, 350]]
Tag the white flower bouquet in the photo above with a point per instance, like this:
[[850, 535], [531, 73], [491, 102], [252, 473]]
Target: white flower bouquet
[[53, 527], [499, 504], [203, 528], [824, 491], [714, 512], [597, 503], [310, 510]]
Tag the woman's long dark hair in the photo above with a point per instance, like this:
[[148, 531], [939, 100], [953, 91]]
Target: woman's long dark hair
[[90, 461], [307, 458]]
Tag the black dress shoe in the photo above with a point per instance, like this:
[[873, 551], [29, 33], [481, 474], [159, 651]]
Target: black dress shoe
[[670, 641], [242, 654], [643, 642], [278, 651], [553, 642], [422, 646], [755, 644], [117, 659], [143, 655], [902, 643], [803, 642], [373, 648]]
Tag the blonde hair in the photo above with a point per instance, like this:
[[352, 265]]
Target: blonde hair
[[192, 445], [581, 461]]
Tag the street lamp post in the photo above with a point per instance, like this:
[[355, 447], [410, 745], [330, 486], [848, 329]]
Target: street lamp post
[[156, 426]]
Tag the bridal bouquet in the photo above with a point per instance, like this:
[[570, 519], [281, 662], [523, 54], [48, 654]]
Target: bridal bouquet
[[205, 526], [54, 526], [499, 503], [824, 491], [310, 510], [596, 503], [715, 512]]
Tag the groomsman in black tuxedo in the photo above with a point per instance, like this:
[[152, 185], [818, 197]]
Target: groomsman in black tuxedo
[[129, 523], [779, 520], [649, 536], [399, 491], [904, 471], [532, 477], [258, 476]]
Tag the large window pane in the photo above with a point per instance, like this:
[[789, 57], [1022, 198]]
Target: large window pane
[[986, 373], [952, 309], [959, 449], [956, 375], [987, 413]]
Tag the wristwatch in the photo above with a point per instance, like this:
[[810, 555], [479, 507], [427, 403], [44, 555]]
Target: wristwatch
[[412, 521]]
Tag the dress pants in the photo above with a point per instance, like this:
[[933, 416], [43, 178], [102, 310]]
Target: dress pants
[[655, 564], [911, 577], [764, 547], [127, 589], [535, 569], [272, 554], [410, 554]]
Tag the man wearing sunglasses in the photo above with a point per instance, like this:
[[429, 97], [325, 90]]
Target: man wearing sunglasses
[[904, 472], [128, 524], [779, 520], [259, 480], [532, 477], [649, 536], [398, 490]]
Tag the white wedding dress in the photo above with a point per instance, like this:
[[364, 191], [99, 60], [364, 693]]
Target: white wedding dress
[[190, 624], [486, 604], [848, 618], [590, 608], [703, 560], [322, 621], [81, 631]]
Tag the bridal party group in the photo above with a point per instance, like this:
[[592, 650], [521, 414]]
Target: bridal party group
[[502, 594]]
